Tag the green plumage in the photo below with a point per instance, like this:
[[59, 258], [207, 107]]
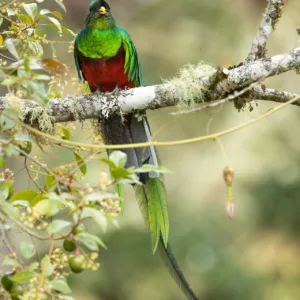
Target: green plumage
[[105, 43], [153, 204], [150, 203]]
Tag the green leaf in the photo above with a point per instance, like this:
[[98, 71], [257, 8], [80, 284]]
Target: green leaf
[[90, 241], [31, 9], [47, 267], [64, 133], [41, 77], [10, 12], [27, 250], [56, 23], [36, 49], [10, 210], [6, 122], [34, 266], [40, 33], [10, 262], [118, 173], [48, 12], [36, 199], [24, 18], [21, 203], [119, 190], [80, 163], [151, 168], [57, 225], [23, 276], [96, 215], [11, 45], [119, 158], [22, 137], [1, 20], [4, 185], [10, 150], [132, 179], [60, 286], [50, 182], [4, 193], [2, 160], [108, 162], [64, 29], [62, 199], [60, 3], [49, 207], [27, 195]]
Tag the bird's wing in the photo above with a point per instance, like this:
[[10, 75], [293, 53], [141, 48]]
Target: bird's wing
[[132, 62]]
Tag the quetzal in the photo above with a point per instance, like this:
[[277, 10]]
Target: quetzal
[[106, 59]]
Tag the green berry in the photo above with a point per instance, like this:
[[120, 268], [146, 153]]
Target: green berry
[[7, 282], [77, 263], [69, 245]]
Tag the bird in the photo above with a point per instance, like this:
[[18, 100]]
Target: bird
[[107, 60]]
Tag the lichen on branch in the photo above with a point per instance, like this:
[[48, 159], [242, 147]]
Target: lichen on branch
[[186, 86]]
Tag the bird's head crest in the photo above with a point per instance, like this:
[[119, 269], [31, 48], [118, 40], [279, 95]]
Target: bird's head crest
[[100, 6], [99, 16]]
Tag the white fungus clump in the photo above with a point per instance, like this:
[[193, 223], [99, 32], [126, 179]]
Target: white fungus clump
[[186, 87]]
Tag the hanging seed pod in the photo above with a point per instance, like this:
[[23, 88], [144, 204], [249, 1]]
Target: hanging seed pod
[[230, 209], [228, 175]]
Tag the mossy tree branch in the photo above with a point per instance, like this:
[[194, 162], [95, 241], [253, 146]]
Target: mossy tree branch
[[217, 86]]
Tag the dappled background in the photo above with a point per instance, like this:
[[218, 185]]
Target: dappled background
[[257, 254]]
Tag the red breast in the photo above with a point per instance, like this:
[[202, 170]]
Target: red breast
[[105, 74]]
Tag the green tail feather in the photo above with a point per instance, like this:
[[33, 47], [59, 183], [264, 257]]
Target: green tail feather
[[154, 209], [152, 202]]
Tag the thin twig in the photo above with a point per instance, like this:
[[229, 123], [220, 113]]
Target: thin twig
[[43, 166], [35, 235], [52, 243], [155, 143], [8, 58], [29, 175], [231, 97], [8, 4]]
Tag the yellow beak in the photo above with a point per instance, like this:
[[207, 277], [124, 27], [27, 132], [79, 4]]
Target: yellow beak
[[102, 10]]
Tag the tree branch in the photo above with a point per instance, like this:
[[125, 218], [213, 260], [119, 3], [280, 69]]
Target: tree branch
[[271, 17], [215, 87], [273, 95]]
